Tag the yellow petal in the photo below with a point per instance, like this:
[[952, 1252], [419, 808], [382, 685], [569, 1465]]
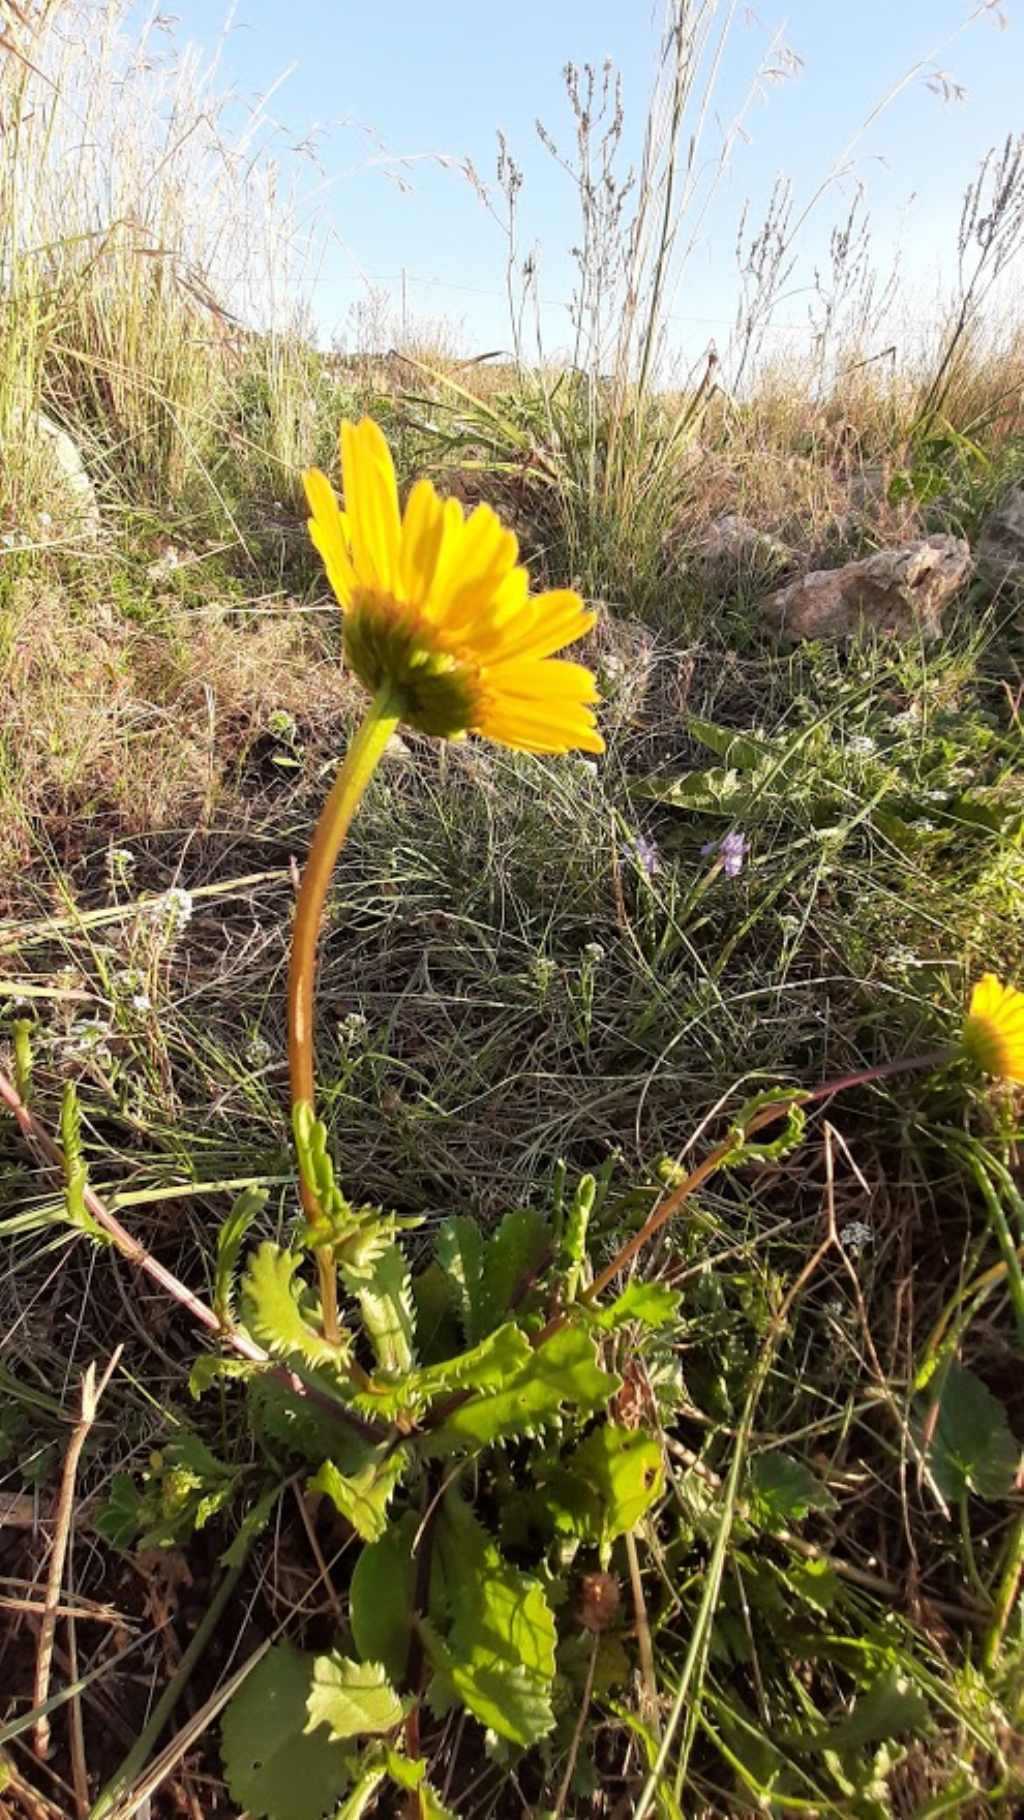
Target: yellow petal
[[328, 529], [993, 1034], [371, 501], [485, 556], [551, 622], [422, 536], [533, 730], [546, 681]]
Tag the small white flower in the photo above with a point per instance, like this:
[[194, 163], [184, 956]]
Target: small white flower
[[258, 1051], [45, 518], [352, 1029], [594, 953], [862, 745], [907, 720], [923, 825], [141, 1001], [835, 1307], [586, 767], [855, 1236], [174, 909], [903, 957]]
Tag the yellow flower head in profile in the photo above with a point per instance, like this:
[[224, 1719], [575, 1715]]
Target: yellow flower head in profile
[[993, 1034], [438, 612]]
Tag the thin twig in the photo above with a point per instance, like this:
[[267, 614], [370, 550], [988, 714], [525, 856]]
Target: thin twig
[[577, 1736], [643, 1634], [76, 1730], [91, 1395]]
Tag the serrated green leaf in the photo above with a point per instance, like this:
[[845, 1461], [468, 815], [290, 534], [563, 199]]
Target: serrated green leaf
[[275, 1311], [973, 1447], [362, 1497], [603, 1488], [384, 1291], [432, 1807], [352, 1698], [213, 1367], [288, 1424], [505, 1699], [563, 1370], [439, 1330], [459, 1249], [230, 1240], [499, 1657], [355, 1805], [512, 1252], [782, 1490], [120, 1518], [408, 1772], [484, 1367], [651, 1303], [273, 1767]]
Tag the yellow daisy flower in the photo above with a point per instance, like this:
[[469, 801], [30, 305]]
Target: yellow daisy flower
[[993, 1035], [437, 610]]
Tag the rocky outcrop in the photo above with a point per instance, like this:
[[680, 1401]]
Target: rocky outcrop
[[901, 592], [1001, 545]]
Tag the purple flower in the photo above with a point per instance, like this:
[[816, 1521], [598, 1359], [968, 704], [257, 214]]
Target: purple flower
[[731, 850], [645, 852]]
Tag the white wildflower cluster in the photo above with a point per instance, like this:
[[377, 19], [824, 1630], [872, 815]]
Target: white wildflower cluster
[[352, 1029], [862, 745], [173, 911], [120, 866], [855, 1236], [129, 983], [88, 1039], [594, 953]]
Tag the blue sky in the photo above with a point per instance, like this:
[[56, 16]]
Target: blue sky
[[410, 79]]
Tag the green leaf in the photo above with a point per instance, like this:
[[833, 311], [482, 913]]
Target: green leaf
[[212, 1367], [356, 1804], [275, 1313], [288, 1424], [815, 1582], [485, 1367], [603, 1488], [363, 1497], [499, 1658], [273, 1768], [381, 1596], [459, 1250], [432, 1807], [714, 792], [384, 1291], [230, 1239], [122, 1515], [736, 748], [782, 1490], [439, 1331], [352, 1698], [408, 1772], [562, 1370], [889, 1708], [651, 1303], [517, 1248], [973, 1448]]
